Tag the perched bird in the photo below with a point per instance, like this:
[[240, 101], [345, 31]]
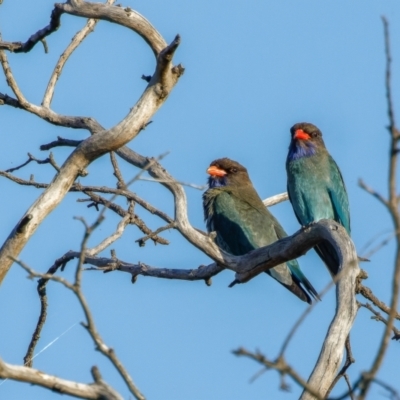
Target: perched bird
[[315, 185], [241, 222]]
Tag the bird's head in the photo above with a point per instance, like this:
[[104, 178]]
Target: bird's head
[[226, 172], [306, 139]]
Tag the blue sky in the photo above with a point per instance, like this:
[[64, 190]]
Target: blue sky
[[253, 69]]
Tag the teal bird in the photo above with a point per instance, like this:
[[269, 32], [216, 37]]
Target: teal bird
[[315, 185], [241, 222]]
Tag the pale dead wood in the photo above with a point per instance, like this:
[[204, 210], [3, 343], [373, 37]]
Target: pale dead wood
[[77, 187], [98, 390], [246, 267], [276, 199], [76, 41], [158, 89], [331, 354], [122, 16], [392, 207], [282, 367], [76, 289]]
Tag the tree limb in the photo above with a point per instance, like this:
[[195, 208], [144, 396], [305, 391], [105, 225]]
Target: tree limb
[[97, 391], [161, 84]]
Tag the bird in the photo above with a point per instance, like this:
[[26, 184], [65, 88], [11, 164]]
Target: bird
[[239, 221], [315, 186]]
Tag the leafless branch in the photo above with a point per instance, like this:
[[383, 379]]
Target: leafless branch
[[342, 373], [77, 187], [110, 239], [371, 191], [392, 206], [49, 160], [164, 79], [98, 390], [278, 198], [282, 367], [76, 289], [117, 172], [19, 47], [76, 41], [378, 317], [369, 295], [41, 288]]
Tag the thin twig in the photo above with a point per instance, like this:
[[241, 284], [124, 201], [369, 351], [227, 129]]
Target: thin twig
[[369, 295], [76, 41], [279, 365], [378, 317], [369, 376]]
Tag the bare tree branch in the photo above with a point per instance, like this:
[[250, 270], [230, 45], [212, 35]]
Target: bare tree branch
[[162, 82], [378, 317], [77, 187], [282, 367], [367, 293], [98, 390], [278, 198], [76, 41], [89, 325], [392, 207], [19, 47]]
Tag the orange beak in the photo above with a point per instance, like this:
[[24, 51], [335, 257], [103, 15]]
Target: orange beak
[[215, 171], [301, 135]]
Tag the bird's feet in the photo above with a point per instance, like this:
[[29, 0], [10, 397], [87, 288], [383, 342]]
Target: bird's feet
[[305, 227]]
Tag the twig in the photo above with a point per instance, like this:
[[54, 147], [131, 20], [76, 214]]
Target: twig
[[134, 219], [43, 112], [191, 185], [153, 235], [110, 239], [278, 198], [61, 142], [281, 366], [89, 325], [41, 288], [96, 391], [369, 376], [49, 160], [76, 41], [368, 294], [18, 47], [77, 187], [117, 172], [378, 317], [373, 192]]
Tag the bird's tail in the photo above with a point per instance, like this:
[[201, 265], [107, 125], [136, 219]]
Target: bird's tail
[[302, 282]]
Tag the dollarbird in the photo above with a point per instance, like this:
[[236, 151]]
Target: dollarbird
[[241, 223], [315, 186]]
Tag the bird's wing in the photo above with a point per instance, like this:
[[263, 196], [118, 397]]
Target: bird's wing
[[232, 221], [338, 194], [293, 206]]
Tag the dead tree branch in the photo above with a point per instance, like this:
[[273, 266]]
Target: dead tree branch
[[97, 390], [392, 207], [77, 290], [162, 82]]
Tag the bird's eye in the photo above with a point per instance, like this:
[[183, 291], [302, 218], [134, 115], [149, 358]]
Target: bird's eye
[[234, 170], [314, 134]]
